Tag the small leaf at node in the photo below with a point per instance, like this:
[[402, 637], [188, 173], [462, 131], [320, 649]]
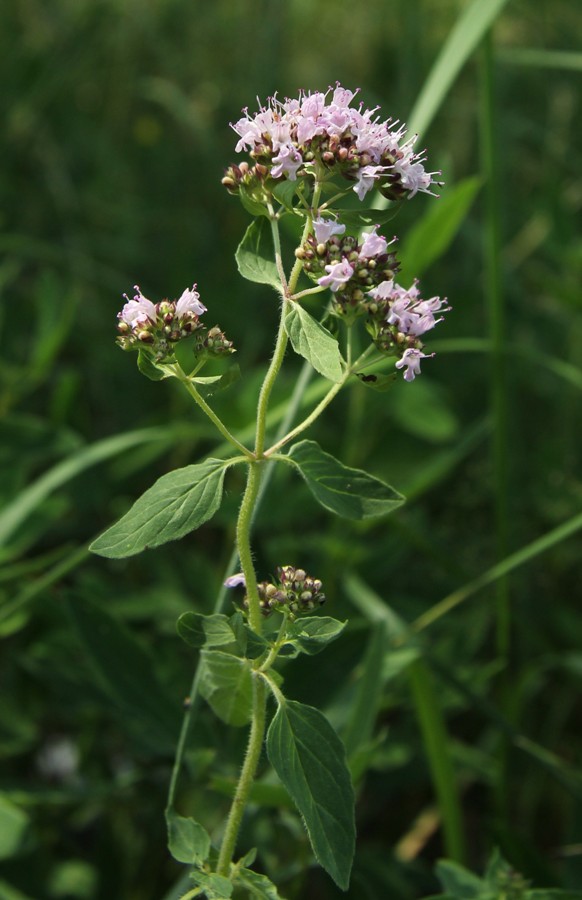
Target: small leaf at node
[[254, 256], [207, 385], [311, 634], [226, 683], [259, 886], [147, 367], [188, 842]]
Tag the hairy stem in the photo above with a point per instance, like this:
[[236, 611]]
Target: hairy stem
[[243, 543], [246, 778]]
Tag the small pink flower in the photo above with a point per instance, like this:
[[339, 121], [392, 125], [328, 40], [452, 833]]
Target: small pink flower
[[138, 311], [411, 360], [235, 580], [189, 302], [374, 244], [337, 274], [326, 228]]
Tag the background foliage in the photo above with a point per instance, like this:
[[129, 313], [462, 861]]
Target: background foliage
[[114, 141]]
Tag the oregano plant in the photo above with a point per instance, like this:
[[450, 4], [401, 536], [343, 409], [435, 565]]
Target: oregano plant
[[307, 157]]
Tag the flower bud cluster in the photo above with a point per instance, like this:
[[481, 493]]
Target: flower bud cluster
[[158, 326], [348, 268], [293, 591], [287, 139]]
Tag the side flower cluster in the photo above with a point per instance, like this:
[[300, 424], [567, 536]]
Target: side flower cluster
[[293, 591], [285, 138], [361, 279], [158, 326]]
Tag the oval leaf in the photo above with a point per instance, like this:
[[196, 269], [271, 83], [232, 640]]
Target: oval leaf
[[310, 760], [313, 633], [176, 504], [258, 886], [314, 342], [253, 261], [188, 842], [348, 492], [226, 683]]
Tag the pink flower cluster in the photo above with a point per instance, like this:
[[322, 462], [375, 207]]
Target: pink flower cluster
[[288, 135], [140, 311], [398, 316]]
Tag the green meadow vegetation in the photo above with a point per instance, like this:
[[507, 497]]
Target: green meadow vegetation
[[455, 685]]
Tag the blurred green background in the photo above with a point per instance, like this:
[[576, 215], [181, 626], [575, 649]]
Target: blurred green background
[[115, 137]]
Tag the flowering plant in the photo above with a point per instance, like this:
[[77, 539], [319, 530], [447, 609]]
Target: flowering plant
[[306, 155]]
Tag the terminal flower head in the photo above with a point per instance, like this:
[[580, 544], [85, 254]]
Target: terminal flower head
[[286, 138]]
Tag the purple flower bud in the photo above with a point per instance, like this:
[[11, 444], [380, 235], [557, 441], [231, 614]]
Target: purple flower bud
[[235, 580]]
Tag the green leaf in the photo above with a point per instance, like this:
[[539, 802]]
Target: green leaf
[[310, 760], [252, 206], [347, 492], [363, 218], [259, 886], [254, 263], [188, 842], [459, 882], [285, 191], [147, 367], [432, 235], [215, 886], [126, 673], [314, 342], [251, 644], [312, 634], [226, 683], [212, 384], [14, 824], [176, 504], [377, 381], [198, 630], [218, 630]]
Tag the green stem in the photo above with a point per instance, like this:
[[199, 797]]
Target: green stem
[[247, 775], [243, 543], [268, 383], [184, 379], [436, 746]]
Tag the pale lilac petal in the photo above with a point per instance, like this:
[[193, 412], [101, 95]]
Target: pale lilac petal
[[189, 302], [326, 228], [337, 275], [411, 362], [374, 244], [235, 580], [287, 161]]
